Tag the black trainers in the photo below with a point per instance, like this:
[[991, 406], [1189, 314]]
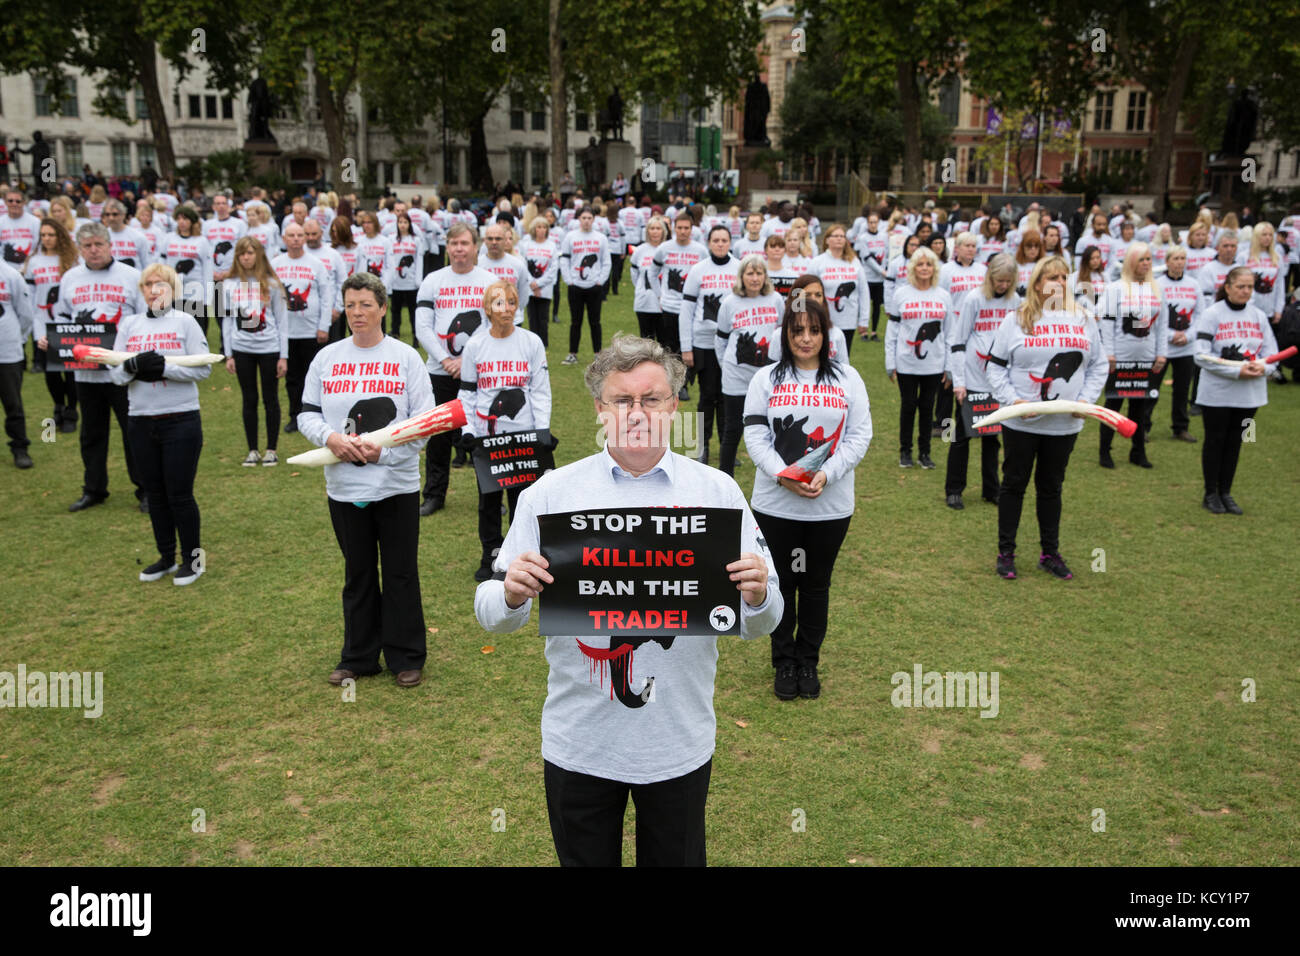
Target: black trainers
[[925, 461], [1214, 505], [159, 569], [786, 685], [1007, 566], [1230, 506], [954, 502], [21, 458], [905, 459], [1106, 460], [1054, 564], [430, 505], [810, 688], [484, 573], [189, 573]]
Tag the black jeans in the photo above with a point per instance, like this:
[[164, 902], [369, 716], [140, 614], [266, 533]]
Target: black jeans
[[1020, 450], [555, 300], [11, 396], [301, 352], [586, 816], [942, 403], [489, 520], [959, 459], [668, 336], [709, 374], [1139, 409], [1182, 369], [388, 618], [437, 453], [917, 392], [804, 555], [99, 401], [648, 325], [402, 300], [591, 300], [731, 430], [249, 366], [615, 273], [62, 387], [849, 335], [166, 452], [539, 318], [1222, 447], [877, 290]]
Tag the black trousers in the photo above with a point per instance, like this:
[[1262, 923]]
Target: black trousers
[[437, 453], [489, 520], [590, 299], [942, 403], [709, 374], [849, 336], [615, 273], [539, 319], [1139, 409], [555, 300], [731, 429], [167, 455], [249, 366], [402, 300], [301, 352], [648, 325], [99, 401], [877, 290], [1052, 453], [1222, 446], [959, 459], [668, 336], [1183, 368], [917, 392], [586, 816], [62, 387], [804, 554], [388, 617], [11, 396]]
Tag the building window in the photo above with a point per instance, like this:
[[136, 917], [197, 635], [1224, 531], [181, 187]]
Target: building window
[[1277, 162], [516, 112], [145, 153], [1103, 111], [1137, 111], [977, 172], [72, 160], [227, 108], [950, 99], [122, 159], [539, 119], [176, 103], [210, 106], [390, 173], [196, 106], [141, 104], [517, 165], [540, 172], [44, 99], [580, 121]]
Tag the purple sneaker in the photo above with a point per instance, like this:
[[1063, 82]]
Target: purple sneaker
[[1055, 564], [1007, 566]]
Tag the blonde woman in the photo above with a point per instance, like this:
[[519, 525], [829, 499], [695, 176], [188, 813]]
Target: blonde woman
[[843, 278], [1199, 250], [1134, 333], [1266, 261], [95, 207], [1051, 350], [642, 269], [255, 332], [915, 351], [541, 254], [1184, 303], [749, 337]]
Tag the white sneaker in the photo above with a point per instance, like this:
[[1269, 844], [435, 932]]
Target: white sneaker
[[188, 574], [252, 460], [570, 359], [158, 570], [269, 460]]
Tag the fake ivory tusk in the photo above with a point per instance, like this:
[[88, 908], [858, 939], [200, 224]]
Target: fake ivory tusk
[[93, 353], [1061, 406], [442, 418], [1281, 356]]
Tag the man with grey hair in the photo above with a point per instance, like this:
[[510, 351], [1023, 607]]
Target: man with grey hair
[[98, 294], [600, 745], [129, 246]]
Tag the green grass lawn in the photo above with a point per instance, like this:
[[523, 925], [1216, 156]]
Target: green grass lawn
[[1119, 691]]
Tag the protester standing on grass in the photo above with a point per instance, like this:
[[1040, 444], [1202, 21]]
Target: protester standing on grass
[[749, 338], [541, 254], [1232, 328], [644, 276], [585, 265], [1183, 306], [163, 425], [255, 331], [1033, 361], [16, 321], [795, 406], [1134, 329], [598, 750], [373, 492], [915, 352], [44, 271]]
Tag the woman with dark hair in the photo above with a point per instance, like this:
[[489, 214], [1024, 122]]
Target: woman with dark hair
[[810, 287], [1089, 283], [44, 271], [1028, 253], [255, 332], [188, 252], [1232, 328], [993, 239], [343, 242], [812, 413], [617, 248], [871, 242], [373, 492], [406, 271]]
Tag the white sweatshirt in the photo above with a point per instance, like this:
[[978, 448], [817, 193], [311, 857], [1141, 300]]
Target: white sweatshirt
[[1184, 304], [505, 384], [251, 323], [707, 284], [845, 286], [309, 292], [172, 333], [749, 337], [1233, 333], [914, 341], [448, 310], [97, 296]]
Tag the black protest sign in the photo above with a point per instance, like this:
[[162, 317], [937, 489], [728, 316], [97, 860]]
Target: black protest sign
[[65, 333], [977, 407], [1132, 380], [640, 571], [512, 460]]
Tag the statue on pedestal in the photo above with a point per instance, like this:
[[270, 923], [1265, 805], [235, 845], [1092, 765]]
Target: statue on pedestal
[[757, 105]]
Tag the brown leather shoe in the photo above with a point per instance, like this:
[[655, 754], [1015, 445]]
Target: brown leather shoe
[[339, 675], [410, 678]]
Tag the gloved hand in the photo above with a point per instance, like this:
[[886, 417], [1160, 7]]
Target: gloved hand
[[467, 443], [149, 366], [130, 365]]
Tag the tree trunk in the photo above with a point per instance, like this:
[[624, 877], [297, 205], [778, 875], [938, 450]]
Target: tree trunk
[[331, 114], [1167, 107], [158, 124], [480, 170], [559, 100], [909, 98]]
